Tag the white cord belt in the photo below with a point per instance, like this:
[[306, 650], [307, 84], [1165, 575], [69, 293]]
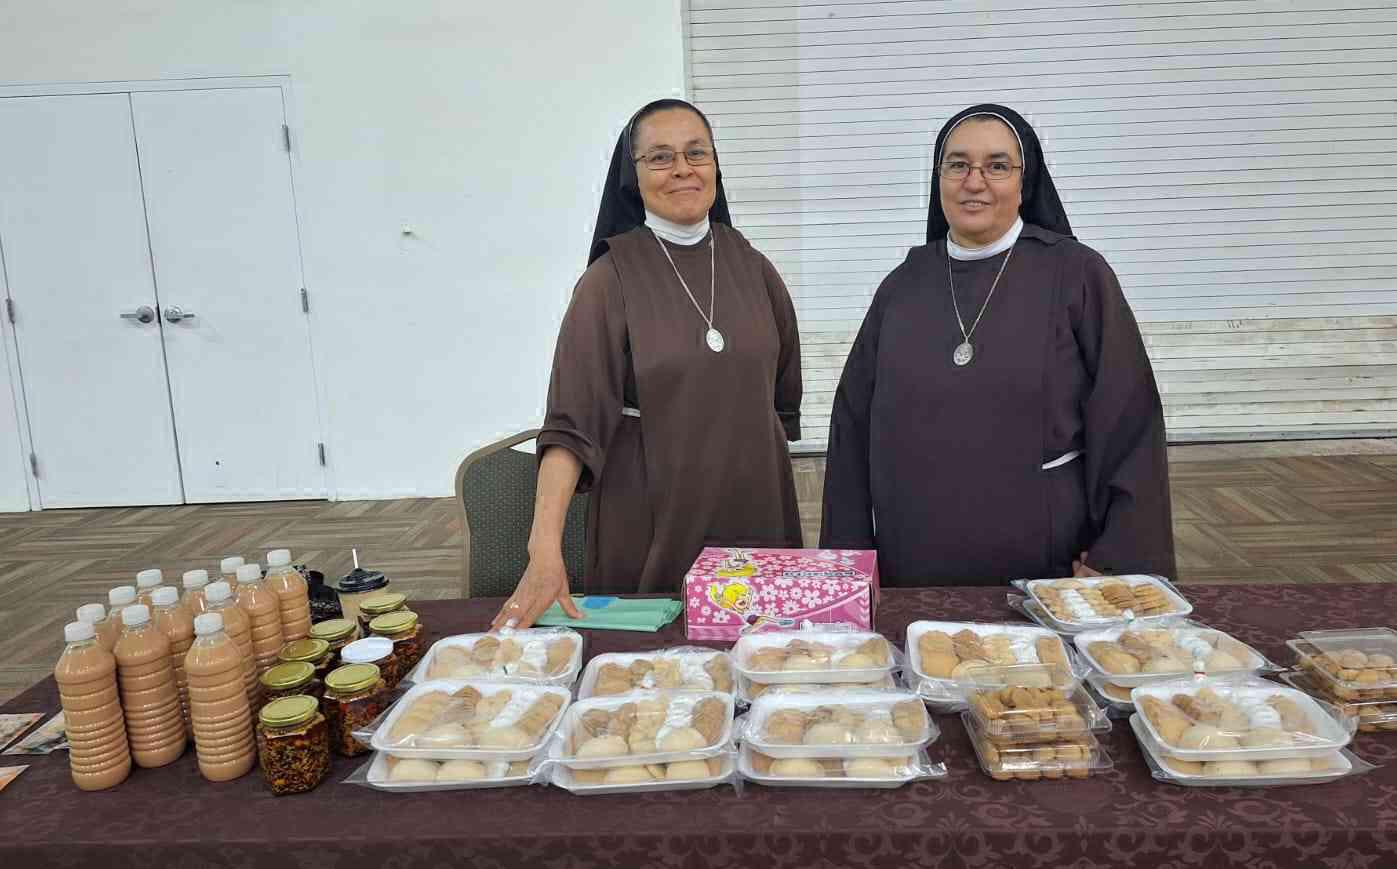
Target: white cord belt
[[631, 411], [1065, 458]]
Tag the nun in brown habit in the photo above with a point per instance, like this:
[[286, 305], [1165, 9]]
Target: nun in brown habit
[[997, 417], [676, 380]]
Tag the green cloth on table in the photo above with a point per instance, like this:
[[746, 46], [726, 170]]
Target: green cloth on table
[[607, 613]]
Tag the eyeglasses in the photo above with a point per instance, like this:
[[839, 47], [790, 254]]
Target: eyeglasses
[[994, 170], [662, 158]]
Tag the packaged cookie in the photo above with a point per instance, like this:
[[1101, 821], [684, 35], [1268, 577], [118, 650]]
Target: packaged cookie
[[676, 775], [814, 656], [1136, 654], [748, 691], [471, 719], [1081, 603], [1020, 715], [1371, 716], [688, 668], [849, 724], [1269, 772], [548, 656], [823, 771], [650, 727], [417, 775], [1115, 699], [1067, 759], [1357, 664], [1249, 719], [947, 658]]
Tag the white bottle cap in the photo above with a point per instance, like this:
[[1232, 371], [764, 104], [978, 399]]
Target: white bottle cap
[[217, 592], [208, 623], [249, 573], [91, 613], [369, 650], [76, 632], [149, 578], [279, 558], [165, 595], [135, 615], [230, 564], [195, 579], [122, 595]]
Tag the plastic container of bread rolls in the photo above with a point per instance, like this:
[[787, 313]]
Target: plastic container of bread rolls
[[1276, 772], [548, 656], [853, 724], [1373, 716], [836, 772], [748, 691], [1356, 664], [469, 719], [649, 727], [681, 775], [384, 772], [945, 659], [1131, 655], [814, 655], [686, 668], [1076, 604]]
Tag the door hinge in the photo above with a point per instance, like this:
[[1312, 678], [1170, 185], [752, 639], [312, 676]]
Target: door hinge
[[10, 308], [305, 301], [286, 137], [34, 465], [320, 448]]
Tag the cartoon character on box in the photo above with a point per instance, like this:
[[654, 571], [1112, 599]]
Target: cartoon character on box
[[736, 597]]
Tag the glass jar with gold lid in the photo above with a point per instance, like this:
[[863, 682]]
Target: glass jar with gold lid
[[380, 604], [405, 630], [338, 633], [355, 695], [291, 678], [293, 748], [312, 651]]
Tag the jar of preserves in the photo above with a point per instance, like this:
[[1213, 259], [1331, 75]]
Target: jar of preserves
[[380, 604], [355, 695], [293, 748], [290, 679], [405, 631], [311, 651], [338, 633]]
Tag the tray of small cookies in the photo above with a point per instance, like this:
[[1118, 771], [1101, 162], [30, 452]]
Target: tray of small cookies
[[1073, 758], [748, 691], [836, 772], [848, 724], [688, 668], [639, 728], [813, 655], [1218, 719], [550, 656], [1357, 664], [414, 775], [1138, 654], [680, 775], [1023, 716], [1080, 603], [947, 658], [1373, 716], [470, 719], [1275, 772]]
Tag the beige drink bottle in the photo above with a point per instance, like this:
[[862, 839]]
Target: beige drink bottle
[[292, 593], [146, 582], [119, 599], [263, 609], [228, 570], [236, 625], [107, 628], [194, 582], [149, 698], [177, 625], [223, 735], [98, 756]]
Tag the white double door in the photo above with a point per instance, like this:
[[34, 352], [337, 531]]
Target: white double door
[[151, 258]]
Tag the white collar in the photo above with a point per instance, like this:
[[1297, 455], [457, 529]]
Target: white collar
[[1005, 242], [677, 233]]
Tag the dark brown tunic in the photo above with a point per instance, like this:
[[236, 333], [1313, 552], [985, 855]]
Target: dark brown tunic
[[940, 467], [706, 461]]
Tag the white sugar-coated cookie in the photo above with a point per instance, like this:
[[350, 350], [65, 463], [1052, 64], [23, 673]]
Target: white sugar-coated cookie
[[627, 775], [682, 739], [413, 769], [505, 738], [687, 769], [828, 733], [603, 746], [797, 767], [444, 736], [875, 731]]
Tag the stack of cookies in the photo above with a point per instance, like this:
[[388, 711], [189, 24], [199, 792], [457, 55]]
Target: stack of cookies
[[1036, 733], [1355, 670]]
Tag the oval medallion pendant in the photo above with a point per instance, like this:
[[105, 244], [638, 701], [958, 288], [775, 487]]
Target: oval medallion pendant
[[964, 353], [715, 340]]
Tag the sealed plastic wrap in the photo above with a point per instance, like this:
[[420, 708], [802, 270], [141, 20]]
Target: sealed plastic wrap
[[946, 659], [814, 655], [686, 668], [550, 656], [1115, 699], [1372, 716], [1275, 772], [470, 719], [640, 728], [1075, 758], [821, 771], [1139, 654], [1076, 604], [1357, 664], [855, 724], [1250, 720], [414, 775], [639, 778], [748, 691], [1022, 716]]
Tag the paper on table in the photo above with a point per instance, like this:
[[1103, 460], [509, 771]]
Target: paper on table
[[13, 725], [9, 774], [601, 612], [49, 736]]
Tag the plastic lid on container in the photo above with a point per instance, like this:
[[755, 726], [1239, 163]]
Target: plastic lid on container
[[367, 651], [76, 632], [311, 650], [91, 613], [332, 629], [165, 595], [230, 564], [208, 623], [291, 674], [149, 578], [135, 615], [217, 592], [352, 677], [359, 580], [394, 623], [289, 711], [122, 595], [193, 579], [384, 602], [1357, 658], [249, 572], [279, 558]]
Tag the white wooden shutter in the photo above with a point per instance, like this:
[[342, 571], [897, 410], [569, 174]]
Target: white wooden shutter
[[1236, 163]]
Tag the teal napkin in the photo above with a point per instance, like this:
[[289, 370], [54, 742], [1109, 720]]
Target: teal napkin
[[607, 613]]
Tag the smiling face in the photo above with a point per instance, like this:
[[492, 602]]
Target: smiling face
[[980, 210], [682, 193]]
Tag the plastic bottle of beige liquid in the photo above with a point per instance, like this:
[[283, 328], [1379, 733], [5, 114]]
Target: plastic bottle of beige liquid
[[177, 625], [223, 735], [236, 625], [119, 599], [146, 582], [228, 571], [106, 627], [292, 593], [194, 582], [263, 609], [149, 698], [98, 756]]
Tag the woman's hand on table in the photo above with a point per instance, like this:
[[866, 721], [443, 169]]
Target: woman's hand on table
[[1080, 568], [545, 580]]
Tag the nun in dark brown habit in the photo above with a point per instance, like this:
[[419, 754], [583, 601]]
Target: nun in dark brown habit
[[997, 417], [676, 380]]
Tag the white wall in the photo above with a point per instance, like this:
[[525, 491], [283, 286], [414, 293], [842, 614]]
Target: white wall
[[484, 127]]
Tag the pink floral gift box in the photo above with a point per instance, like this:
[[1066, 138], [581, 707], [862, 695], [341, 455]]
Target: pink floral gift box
[[730, 592]]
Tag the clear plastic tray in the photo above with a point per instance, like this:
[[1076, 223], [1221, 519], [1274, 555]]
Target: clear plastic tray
[[1215, 719], [1166, 650], [1025, 716], [836, 772], [1373, 716], [460, 656], [462, 717], [686, 668], [748, 691], [1358, 664], [377, 776], [1323, 768], [852, 724], [765, 657], [1074, 759], [1114, 696], [580, 781], [1177, 605], [628, 717], [968, 642]]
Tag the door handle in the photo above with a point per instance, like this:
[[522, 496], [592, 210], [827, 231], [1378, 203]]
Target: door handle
[[174, 314], [143, 314]]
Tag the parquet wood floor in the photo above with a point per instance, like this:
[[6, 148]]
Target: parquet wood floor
[[1242, 515]]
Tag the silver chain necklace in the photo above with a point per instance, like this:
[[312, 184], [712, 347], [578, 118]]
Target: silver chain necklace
[[712, 336], [965, 351]]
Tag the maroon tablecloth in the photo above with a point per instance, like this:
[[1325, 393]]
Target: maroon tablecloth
[[1123, 817]]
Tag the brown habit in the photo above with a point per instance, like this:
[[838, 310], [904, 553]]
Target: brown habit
[[940, 467], [706, 460]]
